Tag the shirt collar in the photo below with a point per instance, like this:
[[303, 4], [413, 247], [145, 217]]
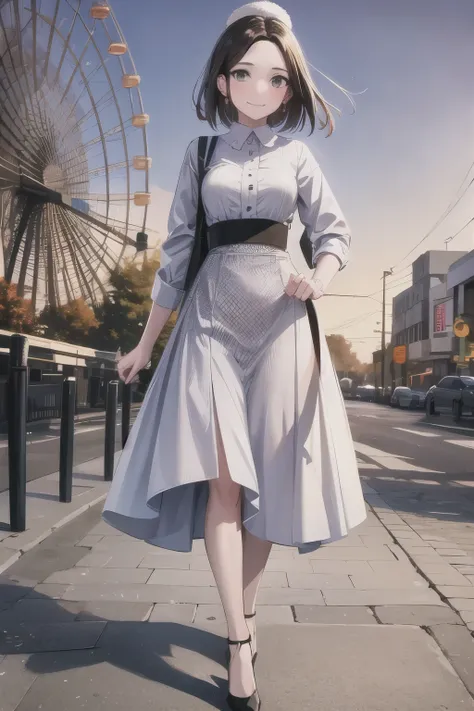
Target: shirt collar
[[238, 134]]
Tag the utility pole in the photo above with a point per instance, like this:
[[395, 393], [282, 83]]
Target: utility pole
[[385, 275]]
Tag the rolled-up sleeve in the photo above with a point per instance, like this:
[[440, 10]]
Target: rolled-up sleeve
[[319, 211], [168, 288]]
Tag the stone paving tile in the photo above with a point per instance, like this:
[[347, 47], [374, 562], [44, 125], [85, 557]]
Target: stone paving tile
[[465, 569], [113, 611], [205, 578], [423, 596], [49, 590], [467, 615], [459, 560], [458, 645], [289, 565], [182, 613], [181, 561], [389, 581], [319, 581], [89, 541], [344, 567], [461, 603], [351, 541], [335, 615], [420, 615], [445, 577], [103, 529], [452, 552], [141, 593], [332, 553], [457, 591], [389, 567], [88, 576], [266, 614], [290, 596], [110, 560], [16, 680], [30, 611], [18, 639]]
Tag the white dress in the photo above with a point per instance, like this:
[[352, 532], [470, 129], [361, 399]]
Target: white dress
[[242, 350]]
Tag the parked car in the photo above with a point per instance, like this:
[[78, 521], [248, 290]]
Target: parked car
[[366, 393], [454, 393], [403, 396]]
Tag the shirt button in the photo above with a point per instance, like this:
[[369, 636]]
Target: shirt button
[[250, 187], [249, 208]]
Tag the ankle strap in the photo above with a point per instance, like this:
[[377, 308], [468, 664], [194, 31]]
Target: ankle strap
[[248, 616], [239, 641]]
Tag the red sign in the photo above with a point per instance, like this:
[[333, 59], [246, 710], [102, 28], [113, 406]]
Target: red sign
[[440, 318]]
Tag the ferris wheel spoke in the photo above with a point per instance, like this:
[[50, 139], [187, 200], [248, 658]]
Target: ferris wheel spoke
[[18, 236], [82, 246], [66, 271], [51, 38], [75, 252], [30, 233], [102, 257]]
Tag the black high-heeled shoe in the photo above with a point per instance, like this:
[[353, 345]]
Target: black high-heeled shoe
[[243, 703], [254, 656]]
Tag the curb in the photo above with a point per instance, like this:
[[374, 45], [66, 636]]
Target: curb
[[62, 522], [419, 567]]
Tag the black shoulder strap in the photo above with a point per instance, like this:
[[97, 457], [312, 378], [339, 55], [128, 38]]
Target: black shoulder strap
[[200, 237]]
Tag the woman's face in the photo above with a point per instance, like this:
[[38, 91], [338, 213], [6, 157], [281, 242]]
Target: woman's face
[[259, 83]]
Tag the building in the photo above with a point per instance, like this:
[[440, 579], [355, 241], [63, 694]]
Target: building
[[460, 283], [422, 319]]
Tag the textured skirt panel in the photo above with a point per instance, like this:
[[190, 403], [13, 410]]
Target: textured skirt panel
[[241, 352]]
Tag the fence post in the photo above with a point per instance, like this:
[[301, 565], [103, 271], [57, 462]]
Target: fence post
[[126, 404], [66, 442], [17, 399], [110, 428]]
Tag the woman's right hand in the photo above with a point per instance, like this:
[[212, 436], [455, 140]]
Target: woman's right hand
[[130, 363]]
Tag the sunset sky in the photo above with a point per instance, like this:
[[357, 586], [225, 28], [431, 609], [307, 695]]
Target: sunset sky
[[395, 165]]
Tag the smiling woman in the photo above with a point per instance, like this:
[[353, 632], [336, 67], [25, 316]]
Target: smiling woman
[[243, 438]]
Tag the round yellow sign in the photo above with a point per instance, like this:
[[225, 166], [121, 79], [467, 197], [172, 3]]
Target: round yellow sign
[[461, 328]]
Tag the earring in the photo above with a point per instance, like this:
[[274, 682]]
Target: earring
[[284, 107], [226, 100]]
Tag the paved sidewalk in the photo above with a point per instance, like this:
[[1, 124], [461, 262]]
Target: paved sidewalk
[[94, 619], [44, 513]]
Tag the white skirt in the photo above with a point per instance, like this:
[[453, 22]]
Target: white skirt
[[243, 348]]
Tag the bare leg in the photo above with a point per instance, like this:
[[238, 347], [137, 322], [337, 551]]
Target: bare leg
[[255, 556], [223, 540]]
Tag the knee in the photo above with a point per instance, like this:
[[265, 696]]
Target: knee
[[226, 493]]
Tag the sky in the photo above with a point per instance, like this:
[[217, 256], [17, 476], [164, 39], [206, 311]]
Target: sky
[[395, 164]]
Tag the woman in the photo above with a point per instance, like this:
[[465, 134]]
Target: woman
[[242, 438]]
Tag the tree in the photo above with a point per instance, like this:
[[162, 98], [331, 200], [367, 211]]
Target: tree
[[123, 315], [342, 355], [16, 313], [75, 322]]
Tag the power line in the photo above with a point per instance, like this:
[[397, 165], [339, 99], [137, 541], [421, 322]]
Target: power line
[[447, 212], [459, 231]]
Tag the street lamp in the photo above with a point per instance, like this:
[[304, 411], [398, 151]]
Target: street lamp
[[384, 278]]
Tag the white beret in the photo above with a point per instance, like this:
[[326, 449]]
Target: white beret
[[261, 8]]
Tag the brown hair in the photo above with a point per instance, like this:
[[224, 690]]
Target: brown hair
[[306, 102]]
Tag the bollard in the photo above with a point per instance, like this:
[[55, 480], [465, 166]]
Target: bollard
[[17, 394], [110, 426], [66, 441], [126, 403]]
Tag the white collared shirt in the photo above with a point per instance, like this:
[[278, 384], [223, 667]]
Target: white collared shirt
[[253, 173]]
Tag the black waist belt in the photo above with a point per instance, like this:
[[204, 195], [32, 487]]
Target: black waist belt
[[254, 230]]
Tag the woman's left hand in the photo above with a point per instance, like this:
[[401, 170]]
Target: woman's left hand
[[302, 287]]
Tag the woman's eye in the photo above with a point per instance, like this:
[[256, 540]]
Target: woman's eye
[[240, 74], [279, 81]]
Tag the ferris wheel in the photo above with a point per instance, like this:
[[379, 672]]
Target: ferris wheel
[[74, 164]]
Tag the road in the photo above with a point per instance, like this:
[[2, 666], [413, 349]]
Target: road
[[43, 446], [418, 465]]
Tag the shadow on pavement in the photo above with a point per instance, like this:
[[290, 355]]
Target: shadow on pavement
[[50, 632]]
